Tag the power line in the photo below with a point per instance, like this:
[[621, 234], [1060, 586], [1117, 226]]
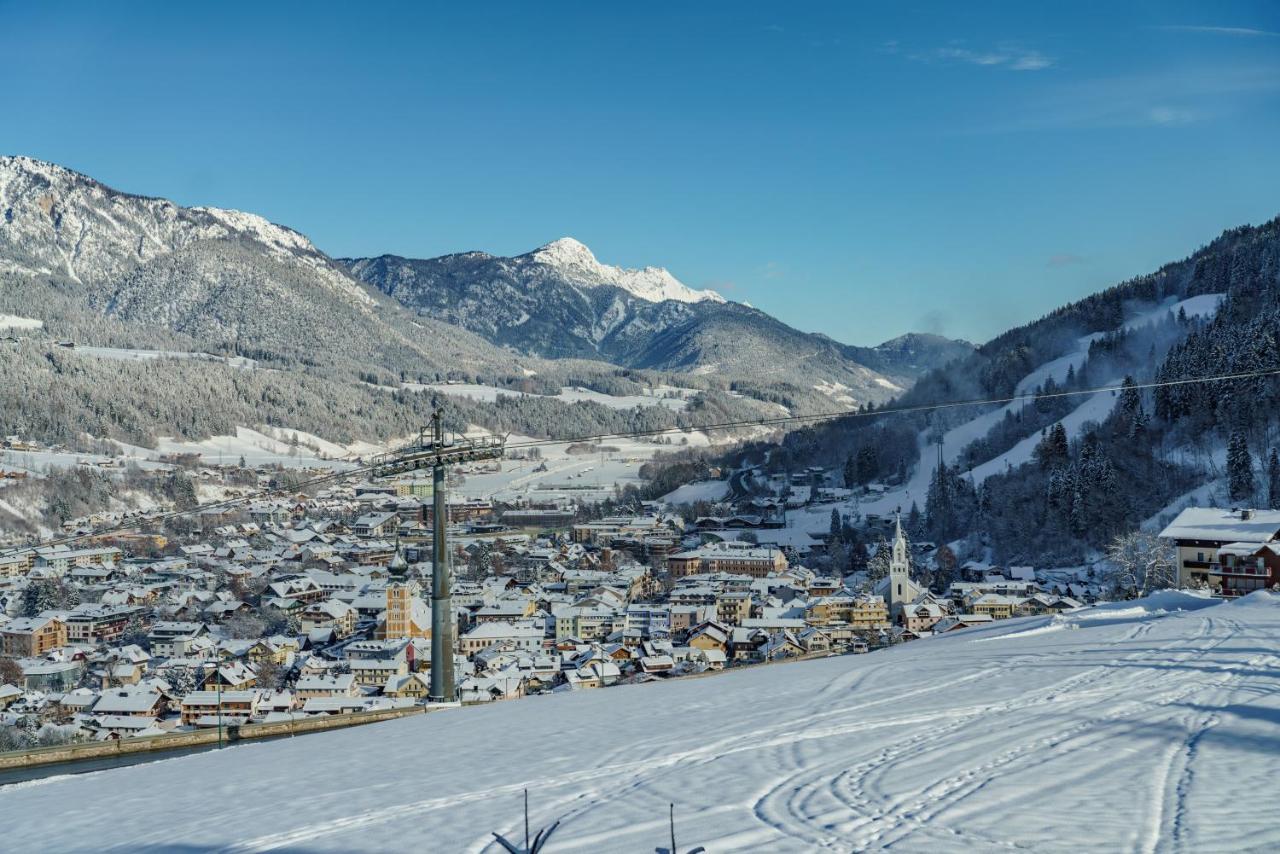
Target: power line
[[639, 434]]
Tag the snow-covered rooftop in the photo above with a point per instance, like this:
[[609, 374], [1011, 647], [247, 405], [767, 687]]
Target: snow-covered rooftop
[[1226, 526]]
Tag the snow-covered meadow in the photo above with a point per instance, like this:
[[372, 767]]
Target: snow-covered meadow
[[1143, 726]]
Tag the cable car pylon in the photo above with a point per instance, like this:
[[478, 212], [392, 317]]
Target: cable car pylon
[[438, 453]]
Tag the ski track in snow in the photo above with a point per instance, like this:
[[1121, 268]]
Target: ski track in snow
[[1131, 732]]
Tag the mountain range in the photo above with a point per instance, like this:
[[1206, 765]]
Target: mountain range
[[100, 266], [558, 302]]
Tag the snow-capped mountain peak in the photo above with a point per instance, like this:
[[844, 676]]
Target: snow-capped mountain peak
[[57, 220], [576, 263]]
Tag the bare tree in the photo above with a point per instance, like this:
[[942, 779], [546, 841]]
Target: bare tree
[[1141, 562], [11, 672]]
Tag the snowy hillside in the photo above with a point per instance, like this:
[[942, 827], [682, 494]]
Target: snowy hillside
[[1123, 728], [59, 221], [1089, 409]]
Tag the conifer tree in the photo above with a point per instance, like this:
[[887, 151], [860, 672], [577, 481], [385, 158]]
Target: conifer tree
[[1240, 482], [1273, 480]]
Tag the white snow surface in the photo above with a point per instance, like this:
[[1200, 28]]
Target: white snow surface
[[1128, 733], [568, 394], [702, 490], [133, 355], [577, 264], [12, 321]]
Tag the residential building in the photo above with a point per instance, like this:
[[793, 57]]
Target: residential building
[[731, 557], [32, 637], [1200, 533]]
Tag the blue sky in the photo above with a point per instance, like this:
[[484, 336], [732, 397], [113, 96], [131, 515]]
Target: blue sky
[[858, 169]]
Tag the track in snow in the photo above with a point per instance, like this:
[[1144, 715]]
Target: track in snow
[[1129, 732]]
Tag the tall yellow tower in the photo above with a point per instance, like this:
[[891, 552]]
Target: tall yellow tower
[[400, 598]]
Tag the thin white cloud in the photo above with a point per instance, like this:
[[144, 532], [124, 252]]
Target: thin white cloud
[[1032, 61], [1166, 99], [1221, 31], [1160, 115], [1011, 57]]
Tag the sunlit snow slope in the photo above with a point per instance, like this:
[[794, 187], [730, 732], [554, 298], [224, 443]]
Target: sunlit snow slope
[[1135, 727]]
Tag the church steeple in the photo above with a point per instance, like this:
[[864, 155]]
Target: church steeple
[[902, 591], [900, 562]]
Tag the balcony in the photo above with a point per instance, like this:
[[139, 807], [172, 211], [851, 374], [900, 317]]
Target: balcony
[[1239, 570]]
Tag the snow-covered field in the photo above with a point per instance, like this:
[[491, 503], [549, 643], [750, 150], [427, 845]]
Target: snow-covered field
[[1131, 728], [13, 321], [257, 448], [128, 355], [702, 490], [577, 476], [488, 394]]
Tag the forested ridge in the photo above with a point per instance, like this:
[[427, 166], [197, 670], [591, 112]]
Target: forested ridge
[[1077, 492]]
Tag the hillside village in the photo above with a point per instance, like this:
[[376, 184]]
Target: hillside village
[[319, 604]]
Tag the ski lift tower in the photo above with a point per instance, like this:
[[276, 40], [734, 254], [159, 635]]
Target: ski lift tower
[[437, 453]]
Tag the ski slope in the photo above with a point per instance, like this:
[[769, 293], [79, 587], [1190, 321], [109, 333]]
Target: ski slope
[[1093, 408], [1141, 726]]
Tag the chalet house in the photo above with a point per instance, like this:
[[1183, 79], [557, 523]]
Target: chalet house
[[233, 676], [486, 689], [713, 659], [1225, 550], [745, 644], [922, 617], [376, 525], [143, 702], [330, 614], [9, 694], [710, 636], [337, 685], [300, 588], [657, 664], [175, 639], [595, 674], [960, 621], [780, 645], [414, 686], [122, 726], [211, 708]]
